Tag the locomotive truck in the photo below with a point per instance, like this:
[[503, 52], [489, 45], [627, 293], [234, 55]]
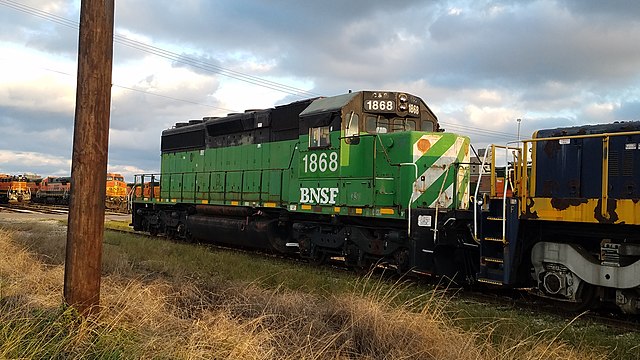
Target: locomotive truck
[[370, 177]]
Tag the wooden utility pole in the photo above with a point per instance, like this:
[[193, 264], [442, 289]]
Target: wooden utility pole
[[89, 162]]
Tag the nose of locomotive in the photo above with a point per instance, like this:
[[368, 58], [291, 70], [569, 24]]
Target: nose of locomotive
[[441, 162]]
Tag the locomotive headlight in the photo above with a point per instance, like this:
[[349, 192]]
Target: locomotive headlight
[[403, 100]]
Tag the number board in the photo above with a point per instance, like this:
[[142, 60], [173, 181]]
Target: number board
[[413, 106], [391, 102], [380, 102]]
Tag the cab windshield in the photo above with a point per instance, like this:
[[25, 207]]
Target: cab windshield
[[378, 124]]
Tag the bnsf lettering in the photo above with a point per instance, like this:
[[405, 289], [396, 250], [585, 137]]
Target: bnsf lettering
[[318, 195]]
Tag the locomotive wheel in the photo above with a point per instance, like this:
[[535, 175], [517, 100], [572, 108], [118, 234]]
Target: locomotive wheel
[[362, 269], [402, 260], [588, 299], [318, 258], [189, 238]]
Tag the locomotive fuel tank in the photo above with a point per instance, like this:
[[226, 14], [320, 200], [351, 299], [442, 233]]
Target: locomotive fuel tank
[[238, 227]]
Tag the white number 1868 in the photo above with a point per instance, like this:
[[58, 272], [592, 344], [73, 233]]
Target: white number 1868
[[314, 162]]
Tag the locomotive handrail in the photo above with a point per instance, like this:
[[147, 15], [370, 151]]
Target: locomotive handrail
[[293, 154], [435, 220], [605, 154], [386, 155], [132, 194], [152, 187], [585, 136], [475, 196], [410, 197], [507, 181]]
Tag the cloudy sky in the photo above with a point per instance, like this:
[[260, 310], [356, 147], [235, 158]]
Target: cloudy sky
[[480, 65]]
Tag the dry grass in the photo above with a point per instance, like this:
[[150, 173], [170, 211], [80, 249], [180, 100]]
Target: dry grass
[[163, 317]]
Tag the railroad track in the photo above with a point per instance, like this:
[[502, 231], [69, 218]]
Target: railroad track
[[523, 299], [43, 208], [34, 208]]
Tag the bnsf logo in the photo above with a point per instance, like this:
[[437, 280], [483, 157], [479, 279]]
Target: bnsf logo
[[318, 195]]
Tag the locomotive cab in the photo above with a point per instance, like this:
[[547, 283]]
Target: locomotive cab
[[379, 155]]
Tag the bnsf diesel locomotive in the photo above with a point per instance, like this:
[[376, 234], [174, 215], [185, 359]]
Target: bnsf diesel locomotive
[[371, 178], [18, 188], [57, 190], [54, 190]]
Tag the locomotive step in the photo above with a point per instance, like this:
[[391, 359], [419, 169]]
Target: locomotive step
[[492, 260], [490, 281], [495, 218], [489, 238]]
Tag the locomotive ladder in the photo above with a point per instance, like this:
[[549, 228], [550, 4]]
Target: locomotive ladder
[[496, 219]]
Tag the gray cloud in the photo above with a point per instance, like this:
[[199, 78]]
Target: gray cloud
[[605, 10], [628, 111], [553, 63]]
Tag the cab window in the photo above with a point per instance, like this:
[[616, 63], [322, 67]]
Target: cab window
[[370, 124], [352, 127], [319, 137], [376, 125], [426, 126]]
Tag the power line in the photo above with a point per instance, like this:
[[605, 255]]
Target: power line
[[144, 91], [479, 131], [173, 98], [213, 68], [199, 64], [202, 65]]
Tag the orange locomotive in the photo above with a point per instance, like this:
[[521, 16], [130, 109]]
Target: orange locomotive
[[116, 195], [150, 190], [54, 190], [146, 190], [5, 185], [17, 188], [57, 190]]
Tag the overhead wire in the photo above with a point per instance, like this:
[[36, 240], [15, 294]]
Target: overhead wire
[[173, 98], [468, 130], [199, 64], [140, 90], [205, 66]]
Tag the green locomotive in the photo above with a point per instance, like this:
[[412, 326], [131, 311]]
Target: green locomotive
[[371, 177], [368, 176]]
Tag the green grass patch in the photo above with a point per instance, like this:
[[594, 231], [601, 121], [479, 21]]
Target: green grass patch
[[516, 332], [57, 334], [493, 323]]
